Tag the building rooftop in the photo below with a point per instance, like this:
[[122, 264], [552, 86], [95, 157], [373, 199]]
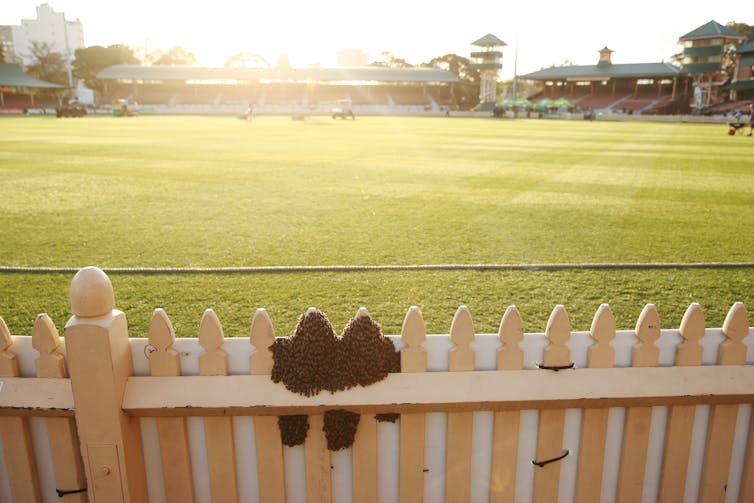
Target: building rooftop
[[278, 73], [11, 75], [711, 29], [604, 71], [488, 40]]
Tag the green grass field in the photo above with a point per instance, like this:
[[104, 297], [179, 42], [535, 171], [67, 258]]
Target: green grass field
[[220, 192]]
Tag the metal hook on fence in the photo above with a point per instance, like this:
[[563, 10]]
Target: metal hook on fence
[[148, 350], [555, 368], [540, 464], [63, 492]]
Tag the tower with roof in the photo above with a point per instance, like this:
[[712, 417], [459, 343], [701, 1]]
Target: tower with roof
[[489, 61], [707, 58]]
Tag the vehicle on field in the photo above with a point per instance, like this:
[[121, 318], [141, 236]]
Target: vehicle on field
[[343, 110], [71, 109], [123, 108]]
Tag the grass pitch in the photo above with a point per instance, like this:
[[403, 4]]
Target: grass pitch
[[220, 192]]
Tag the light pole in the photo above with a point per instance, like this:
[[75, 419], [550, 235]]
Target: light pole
[[67, 50]]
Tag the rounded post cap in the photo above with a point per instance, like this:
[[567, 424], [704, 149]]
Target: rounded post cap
[[91, 293]]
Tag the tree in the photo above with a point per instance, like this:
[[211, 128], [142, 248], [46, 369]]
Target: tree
[[744, 29], [176, 56], [466, 91], [2, 54], [246, 60], [390, 61], [89, 61], [47, 64]]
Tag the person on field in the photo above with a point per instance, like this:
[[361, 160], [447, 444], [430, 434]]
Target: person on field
[[751, 118]]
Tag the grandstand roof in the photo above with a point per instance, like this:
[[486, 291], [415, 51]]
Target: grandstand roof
[[489, 39], [11, 75], [605, 71], [746, 48], [711, 29], [306, 74]]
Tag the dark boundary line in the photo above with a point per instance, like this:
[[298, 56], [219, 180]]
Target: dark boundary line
[[394, 267]]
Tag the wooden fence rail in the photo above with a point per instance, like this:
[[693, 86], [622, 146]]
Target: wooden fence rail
[[648, 414]]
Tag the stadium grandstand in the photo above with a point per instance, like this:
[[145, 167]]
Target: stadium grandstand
[[629, 88], [280, 88], [17, 90]]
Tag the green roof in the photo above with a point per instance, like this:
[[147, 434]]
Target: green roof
[[741, 84], [605, 71], [307, 74], [712, 29], [489, 39], [746, 48], [701, 68], [11, 75]]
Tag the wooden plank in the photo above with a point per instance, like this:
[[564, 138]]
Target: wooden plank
[[722, 425], [164, 361], [442, 391], [32, 396], [460, 424], [364, 455], [594, 421], [552, 421], [746, 493], [61, 432], [364, 452], [218, 431], [633, 458], [269, 446], [680, 425], [317, 459], [15, 434], [19, 459], [506, 426], [412, 426]]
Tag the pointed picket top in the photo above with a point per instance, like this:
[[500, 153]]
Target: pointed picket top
[[558, 332], [46, 340], [461, 357], [214, 360], [601, 354], [646, 353], [690, 351], [511, 333], [262, 338], [164, 360], [413, 336], [735, 329], [8, 360]]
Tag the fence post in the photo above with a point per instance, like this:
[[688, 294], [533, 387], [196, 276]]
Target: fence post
[[99, 363]]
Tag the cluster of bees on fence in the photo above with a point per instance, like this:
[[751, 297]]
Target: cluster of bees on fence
[[315, 359]]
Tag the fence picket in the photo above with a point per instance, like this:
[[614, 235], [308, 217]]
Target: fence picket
[[636, 427], [364, 452], [594, 421], [270, 463], [746, 492], [412, 425], [164, 361], [218, 431], [61, 431], [460, 424], [680, 426], [505, 441], [317, 459], [552, 421], [16, 435], [722, 424]]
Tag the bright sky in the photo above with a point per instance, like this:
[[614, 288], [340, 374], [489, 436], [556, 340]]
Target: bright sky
[[547, 32]]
